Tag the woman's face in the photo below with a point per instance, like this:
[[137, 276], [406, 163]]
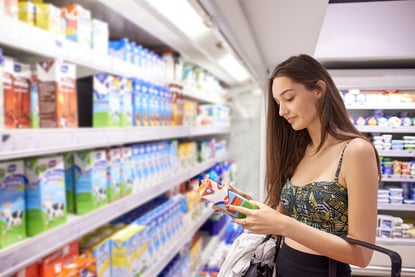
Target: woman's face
[[296, 103]]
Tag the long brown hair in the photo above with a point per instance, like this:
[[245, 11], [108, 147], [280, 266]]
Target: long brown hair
[[285, 147]]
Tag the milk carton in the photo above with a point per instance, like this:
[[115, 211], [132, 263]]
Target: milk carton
[[78, 24], [12, 203], [45, 194], [99, 36], [68, 164], [90, 180], [124, 248], [128, 178], [114, 173], [27, 12], [58, 107], [126, 102], [106, 101], [100, 249]]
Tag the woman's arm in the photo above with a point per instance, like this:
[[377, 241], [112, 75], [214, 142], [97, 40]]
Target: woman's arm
[[359, 172]]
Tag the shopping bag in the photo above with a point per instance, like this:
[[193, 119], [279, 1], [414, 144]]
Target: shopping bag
[[259, 268]]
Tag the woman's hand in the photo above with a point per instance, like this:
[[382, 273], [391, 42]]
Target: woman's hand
[[232, 188], [263, 220]]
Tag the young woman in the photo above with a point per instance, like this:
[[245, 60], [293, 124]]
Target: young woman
[[322, 175]]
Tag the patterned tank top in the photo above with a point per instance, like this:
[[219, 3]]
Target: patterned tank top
[[322, 205]]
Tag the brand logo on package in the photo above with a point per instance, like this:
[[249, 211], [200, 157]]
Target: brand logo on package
[[52, 163], [64, 68], [11, 168]]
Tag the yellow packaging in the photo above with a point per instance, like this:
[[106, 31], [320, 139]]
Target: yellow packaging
[[124, 251], [27, 12], [48, 17]]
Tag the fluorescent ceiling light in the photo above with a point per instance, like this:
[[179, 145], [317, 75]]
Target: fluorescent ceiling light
[[181, 14], [234, 67]]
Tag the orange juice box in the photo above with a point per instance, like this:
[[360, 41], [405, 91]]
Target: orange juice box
[[20, 109], [220, 196], [29, 271], [8, 92], [58, 106], [78, 24]]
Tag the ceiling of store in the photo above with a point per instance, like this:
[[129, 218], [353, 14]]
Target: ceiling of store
[[342, 34]]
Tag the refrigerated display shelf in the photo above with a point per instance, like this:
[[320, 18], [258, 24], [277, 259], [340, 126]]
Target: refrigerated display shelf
[[177, 244], [383, 106], [398, 178], [397, 153], [32, 142], [32, 249], [397, 207], [380, 129]]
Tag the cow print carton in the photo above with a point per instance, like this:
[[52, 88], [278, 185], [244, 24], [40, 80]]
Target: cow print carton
[[45, 193], [114, 173], [222, 197], [90, 180], [12, 203]]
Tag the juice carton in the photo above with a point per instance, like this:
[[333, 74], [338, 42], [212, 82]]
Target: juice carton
[[127, 171], [53, 264], [8, 92], [124, 248], [9, 8], [68, 163], [114, 173], [34, 102], [99, 36], [27, 12], [100, 249], [31, 270], [90, 180], [12, 203], [126, 102], [49, 18], [58, 106], [221, 197], [78, 24], [106, 101], [18, 104], [45, 194]]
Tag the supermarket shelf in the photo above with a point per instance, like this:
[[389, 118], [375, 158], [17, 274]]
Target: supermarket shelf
[[31, 249], [177, 244], [393, 178], [210, 247], [383, 106], [395, 241], [41, 43], [379, 129], [32, 142], [380, 271], [397, 207], [397, 153]]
